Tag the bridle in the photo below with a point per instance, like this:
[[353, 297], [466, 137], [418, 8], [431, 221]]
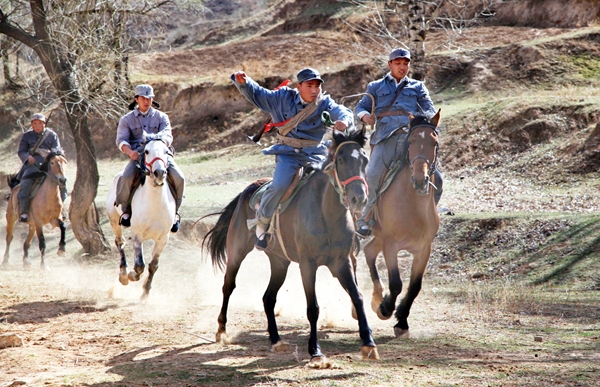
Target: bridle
[[431, 165], [340, 185], [60, 182], [148, 166]]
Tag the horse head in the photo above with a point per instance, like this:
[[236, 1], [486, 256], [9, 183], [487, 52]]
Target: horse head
[[155, 158], [422, 143], [55, 163], [348, 164]]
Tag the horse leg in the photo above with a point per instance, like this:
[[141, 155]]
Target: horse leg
[[419, 265], [233, 266], [371, 250], [138, 259], [10, 226], [347, 279], [159, 246], [388, 305], [26, 244], [279, 268], [308, 272], [42, 245], [62, 243]]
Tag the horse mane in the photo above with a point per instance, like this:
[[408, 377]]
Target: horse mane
[[358, 136], [148, 137]]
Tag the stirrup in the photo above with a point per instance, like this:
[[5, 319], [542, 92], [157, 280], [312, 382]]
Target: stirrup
[[261, 243], [363, 232]]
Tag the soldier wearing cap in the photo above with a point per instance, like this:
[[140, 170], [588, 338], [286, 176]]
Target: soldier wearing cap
[[130, 133], [35, 145], [396, 98], [297, 115]]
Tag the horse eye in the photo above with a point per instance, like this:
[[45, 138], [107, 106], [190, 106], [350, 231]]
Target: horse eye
[[146, 152]]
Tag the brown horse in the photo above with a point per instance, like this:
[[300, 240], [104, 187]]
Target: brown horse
[[44, 208], [407, 219], [316, 229]]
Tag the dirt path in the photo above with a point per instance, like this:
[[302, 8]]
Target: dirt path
[[80, 327]]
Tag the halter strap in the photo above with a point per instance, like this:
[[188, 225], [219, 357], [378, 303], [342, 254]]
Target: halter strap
[[341, 185], [157, 158]]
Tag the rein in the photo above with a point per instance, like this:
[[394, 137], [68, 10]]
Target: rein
[[339, 185]]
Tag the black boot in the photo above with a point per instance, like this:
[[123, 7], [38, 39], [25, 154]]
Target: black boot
[[175, 226], [125, 222]]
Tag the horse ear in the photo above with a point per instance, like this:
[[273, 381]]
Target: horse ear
[[435, 120]]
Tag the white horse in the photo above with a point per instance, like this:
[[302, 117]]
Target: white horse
[[153, 212]]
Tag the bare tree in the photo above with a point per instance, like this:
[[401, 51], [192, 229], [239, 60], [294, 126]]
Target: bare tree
[[82, 46], [406, 23]]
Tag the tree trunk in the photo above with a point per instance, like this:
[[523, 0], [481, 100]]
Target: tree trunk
[[417, 30], [4, 48], [82, 212]]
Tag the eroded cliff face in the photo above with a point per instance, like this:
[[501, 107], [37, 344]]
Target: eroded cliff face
[[547, 13]]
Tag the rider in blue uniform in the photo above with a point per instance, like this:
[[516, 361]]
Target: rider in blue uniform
[[130, 134], [396, 98], [301, 142]]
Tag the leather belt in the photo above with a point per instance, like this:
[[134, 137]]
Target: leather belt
[[296, 142], [394, 113]]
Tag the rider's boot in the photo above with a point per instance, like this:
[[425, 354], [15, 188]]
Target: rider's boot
[[177, 223], [261, 235], [125, 219]]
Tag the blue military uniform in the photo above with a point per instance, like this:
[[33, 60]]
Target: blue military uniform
[[284, 104], [390, 129]]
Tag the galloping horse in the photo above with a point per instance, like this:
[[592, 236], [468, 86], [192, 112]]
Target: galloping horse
[[153, 209], [44, 208], [316, 229], [407, 219]]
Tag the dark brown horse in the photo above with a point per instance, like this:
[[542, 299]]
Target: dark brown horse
[[44, 208], [407, 219], [316, 229]]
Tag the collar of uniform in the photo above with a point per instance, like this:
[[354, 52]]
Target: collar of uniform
[[137, 112], [389, 77]]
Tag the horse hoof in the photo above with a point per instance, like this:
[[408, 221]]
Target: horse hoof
[[375, 302], [281, 347], [133, 276], [61, 253], [223, 338], [401, 333], [123, 279], [319, 362], [369, 353], [26, 265], [4, 265], [353, 311], [381, 315], [44, 267]]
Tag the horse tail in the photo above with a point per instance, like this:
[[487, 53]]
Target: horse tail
[[12, 183], [216, 238]]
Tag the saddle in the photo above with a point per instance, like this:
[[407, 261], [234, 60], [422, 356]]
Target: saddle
[[301, 177]]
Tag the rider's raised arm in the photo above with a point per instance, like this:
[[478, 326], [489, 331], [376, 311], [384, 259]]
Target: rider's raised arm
[[265, 99]]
